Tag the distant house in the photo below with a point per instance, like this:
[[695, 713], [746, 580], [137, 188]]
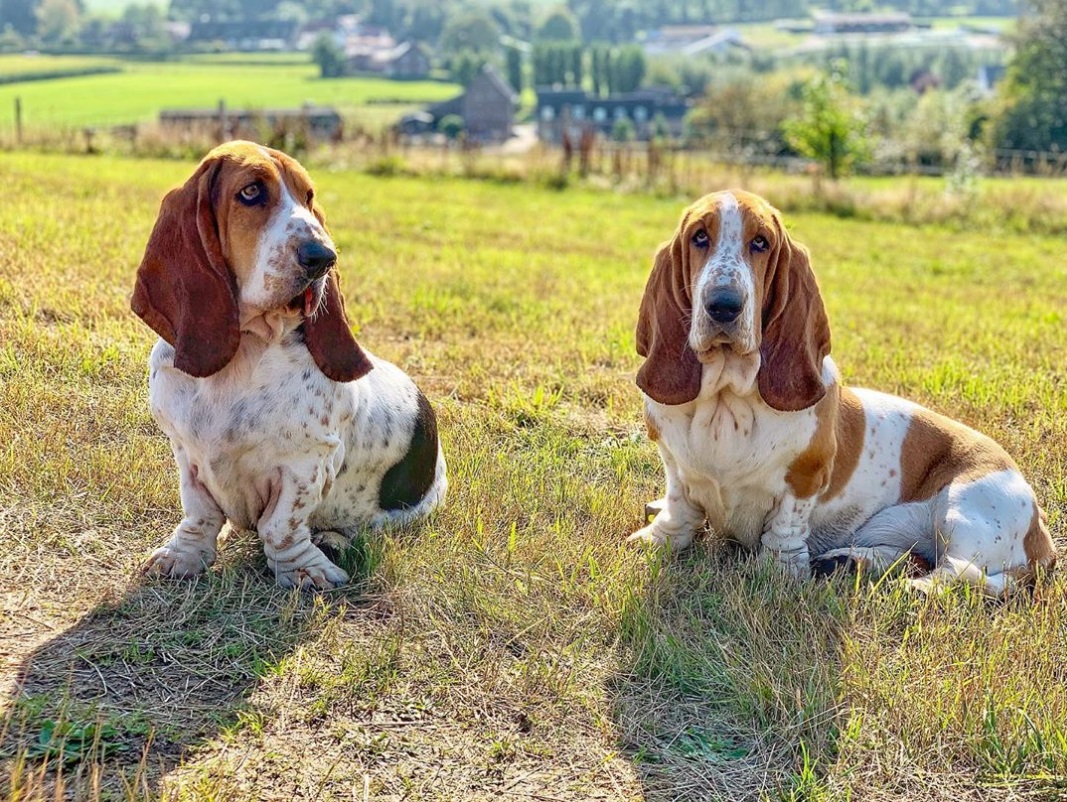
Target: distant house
[[691, 40], [245, 35], [409, 60], [719, 43], [674, 38], [922, 81], [364, 42], [487, 108], [570, 111], [321, 123], [406, 60], [889, 22]]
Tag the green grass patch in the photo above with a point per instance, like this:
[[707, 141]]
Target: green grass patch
[[15, 69], [142, 89]]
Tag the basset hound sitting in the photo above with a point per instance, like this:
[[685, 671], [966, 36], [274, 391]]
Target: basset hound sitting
[[761, 441], [278, 420]]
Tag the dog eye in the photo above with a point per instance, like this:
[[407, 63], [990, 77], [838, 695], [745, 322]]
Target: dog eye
[[759, 244], [251, 195], [700, 239]]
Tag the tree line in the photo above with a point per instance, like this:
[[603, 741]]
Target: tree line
[[610, 70], [598, 20]]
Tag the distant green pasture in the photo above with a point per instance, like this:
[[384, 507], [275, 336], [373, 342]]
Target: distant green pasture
[[144, 88], [18, 67]]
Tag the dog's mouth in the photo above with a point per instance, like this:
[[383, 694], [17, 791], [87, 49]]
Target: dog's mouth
[[714, 349], [307, 302]]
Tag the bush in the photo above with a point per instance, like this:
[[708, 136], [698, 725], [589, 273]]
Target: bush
[[329, 56], [451, 125]]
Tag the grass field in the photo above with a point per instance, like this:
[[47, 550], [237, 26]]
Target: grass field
[[511, 647], [113, 7], [13, 67], [143, 88]]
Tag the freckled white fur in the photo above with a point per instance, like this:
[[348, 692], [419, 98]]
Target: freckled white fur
[[726, 455], [725, 267], [262, 446]]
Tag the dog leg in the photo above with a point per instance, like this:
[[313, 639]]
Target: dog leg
[[191, 549], [679, 519], [785, 535], [296, 491]]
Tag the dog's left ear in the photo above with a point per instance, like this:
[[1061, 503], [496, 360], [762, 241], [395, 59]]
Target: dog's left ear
[[796, 331], [328, 336]]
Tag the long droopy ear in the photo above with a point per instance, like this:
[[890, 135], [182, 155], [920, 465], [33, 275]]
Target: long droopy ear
[[671, 372], [328, 335], [796, 332], [184, 291], [330, 340]]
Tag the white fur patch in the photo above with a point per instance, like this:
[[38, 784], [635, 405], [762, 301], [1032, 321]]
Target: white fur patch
[[725, 267]]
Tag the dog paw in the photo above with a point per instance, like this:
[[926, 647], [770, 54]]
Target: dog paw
[[331, 543], [647, 537], [316, 573], [794, 564], [651, 537], [174, 563]]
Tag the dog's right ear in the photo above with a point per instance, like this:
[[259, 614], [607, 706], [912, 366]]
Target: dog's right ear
[[671, 373], [185, 291]]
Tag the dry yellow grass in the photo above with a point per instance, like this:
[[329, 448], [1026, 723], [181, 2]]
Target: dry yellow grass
[[509, 648]]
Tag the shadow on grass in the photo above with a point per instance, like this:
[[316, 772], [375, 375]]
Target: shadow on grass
[[108, 707], [731, 678]]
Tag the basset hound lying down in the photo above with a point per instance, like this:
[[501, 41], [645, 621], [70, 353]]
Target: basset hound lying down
[[278, 420], [761, 441]]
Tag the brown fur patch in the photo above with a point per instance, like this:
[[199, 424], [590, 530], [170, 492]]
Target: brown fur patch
[[653, 432], [851, 430], [810, 472], [938, 450], [1038, 545]]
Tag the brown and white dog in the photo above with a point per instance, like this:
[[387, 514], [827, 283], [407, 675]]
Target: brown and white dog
[[761, 441], [278, 420]]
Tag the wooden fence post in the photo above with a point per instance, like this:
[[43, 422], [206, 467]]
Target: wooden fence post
[[223, 133], [18, 120]]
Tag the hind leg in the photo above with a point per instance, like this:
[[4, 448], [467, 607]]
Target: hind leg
[[876, 560], [898, 535], [331, 542], [984, 533], [952, 570]]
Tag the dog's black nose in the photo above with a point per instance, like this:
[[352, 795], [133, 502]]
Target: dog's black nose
[[724, 306], [315, 258]]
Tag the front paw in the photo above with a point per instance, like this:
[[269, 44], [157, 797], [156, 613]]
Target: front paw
[[795, 564], [176, 563], [314, 572], [655, 537]]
